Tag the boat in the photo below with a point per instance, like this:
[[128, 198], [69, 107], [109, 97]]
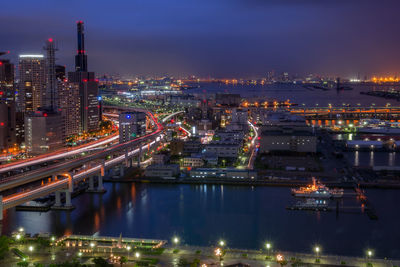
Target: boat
[[317, 190], [374, 126], [311, 204]]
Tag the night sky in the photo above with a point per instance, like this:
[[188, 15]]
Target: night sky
[[218, 38]]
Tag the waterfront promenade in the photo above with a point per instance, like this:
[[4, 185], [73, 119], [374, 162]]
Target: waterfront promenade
[[139, 251]]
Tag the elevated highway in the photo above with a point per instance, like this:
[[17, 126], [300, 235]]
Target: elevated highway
[[92, 167]]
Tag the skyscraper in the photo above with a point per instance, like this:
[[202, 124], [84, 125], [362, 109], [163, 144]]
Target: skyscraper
[[69, 104], [88, 86], [51, 80], [32, 82], [81, 58], [7, 105]]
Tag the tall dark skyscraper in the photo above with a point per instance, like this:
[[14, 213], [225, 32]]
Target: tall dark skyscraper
[[88, 86], [81, 58], [7, 104], [51, 80]]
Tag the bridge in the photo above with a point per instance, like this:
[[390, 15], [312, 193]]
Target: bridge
[[90, 166]]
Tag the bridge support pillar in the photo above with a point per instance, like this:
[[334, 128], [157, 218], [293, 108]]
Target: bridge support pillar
[[121, 171], [58, 199], [68, 203], [91, 183], [127, 157], [139, 156], [1, 208], [100, 188]]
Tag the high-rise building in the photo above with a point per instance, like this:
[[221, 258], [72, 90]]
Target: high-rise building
[[60, 72], [32, 82], [43, 132], [131, 125], [81, 58], [7, 91], [51, 80], [69, 105], [7, 105], [88, 86]]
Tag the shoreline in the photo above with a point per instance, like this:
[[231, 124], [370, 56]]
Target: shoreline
[[267, 183]]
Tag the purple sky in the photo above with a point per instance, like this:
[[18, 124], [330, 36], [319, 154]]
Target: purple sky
[[220, 38]]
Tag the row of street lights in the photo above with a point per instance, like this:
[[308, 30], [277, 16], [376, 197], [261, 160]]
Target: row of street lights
[[268, 246]]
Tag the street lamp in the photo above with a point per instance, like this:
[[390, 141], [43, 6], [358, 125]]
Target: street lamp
[[369, 253], [30, 248], [222, 243], [92, 247], [268, 246], [18, 237], [129, 250], [137, 255], [317, 250], [21, 229], [175, 240]]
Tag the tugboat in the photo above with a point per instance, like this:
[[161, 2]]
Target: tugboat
[[317, 190]]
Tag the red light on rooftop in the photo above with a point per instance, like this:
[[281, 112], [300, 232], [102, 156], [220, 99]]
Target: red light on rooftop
[[50, 40], [1, 63], [85, 80], [1, 123], [45, 114]]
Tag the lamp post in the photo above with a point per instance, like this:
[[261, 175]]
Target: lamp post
[[268, 246], [369, 254], [317, 250], [175, 240], [92, 247], [222, 243], [129, 250]]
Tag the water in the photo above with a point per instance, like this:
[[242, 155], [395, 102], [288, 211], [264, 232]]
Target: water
[[300, 95], [244, 216]]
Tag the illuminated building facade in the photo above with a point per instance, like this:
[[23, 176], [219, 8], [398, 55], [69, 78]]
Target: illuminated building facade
[[32, 82], [131, 125]]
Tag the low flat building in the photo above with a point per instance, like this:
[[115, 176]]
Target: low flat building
[[223, 149], [288, 139], [229, 135], [162, 171], [228, 173], [193, 161], [159, 159]]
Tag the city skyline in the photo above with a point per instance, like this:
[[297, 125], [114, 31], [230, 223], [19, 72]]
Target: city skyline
[[248, 39]]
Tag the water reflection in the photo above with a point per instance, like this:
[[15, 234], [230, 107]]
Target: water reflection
[[371, 159], [356, 159]]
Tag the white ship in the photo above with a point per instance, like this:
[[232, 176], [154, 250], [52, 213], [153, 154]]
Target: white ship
[[317, 190], [374, 126]]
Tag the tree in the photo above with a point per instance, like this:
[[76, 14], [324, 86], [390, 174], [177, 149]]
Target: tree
[[37, 264], [123, 260], [4, 246], [100, 262], [23, 264]]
